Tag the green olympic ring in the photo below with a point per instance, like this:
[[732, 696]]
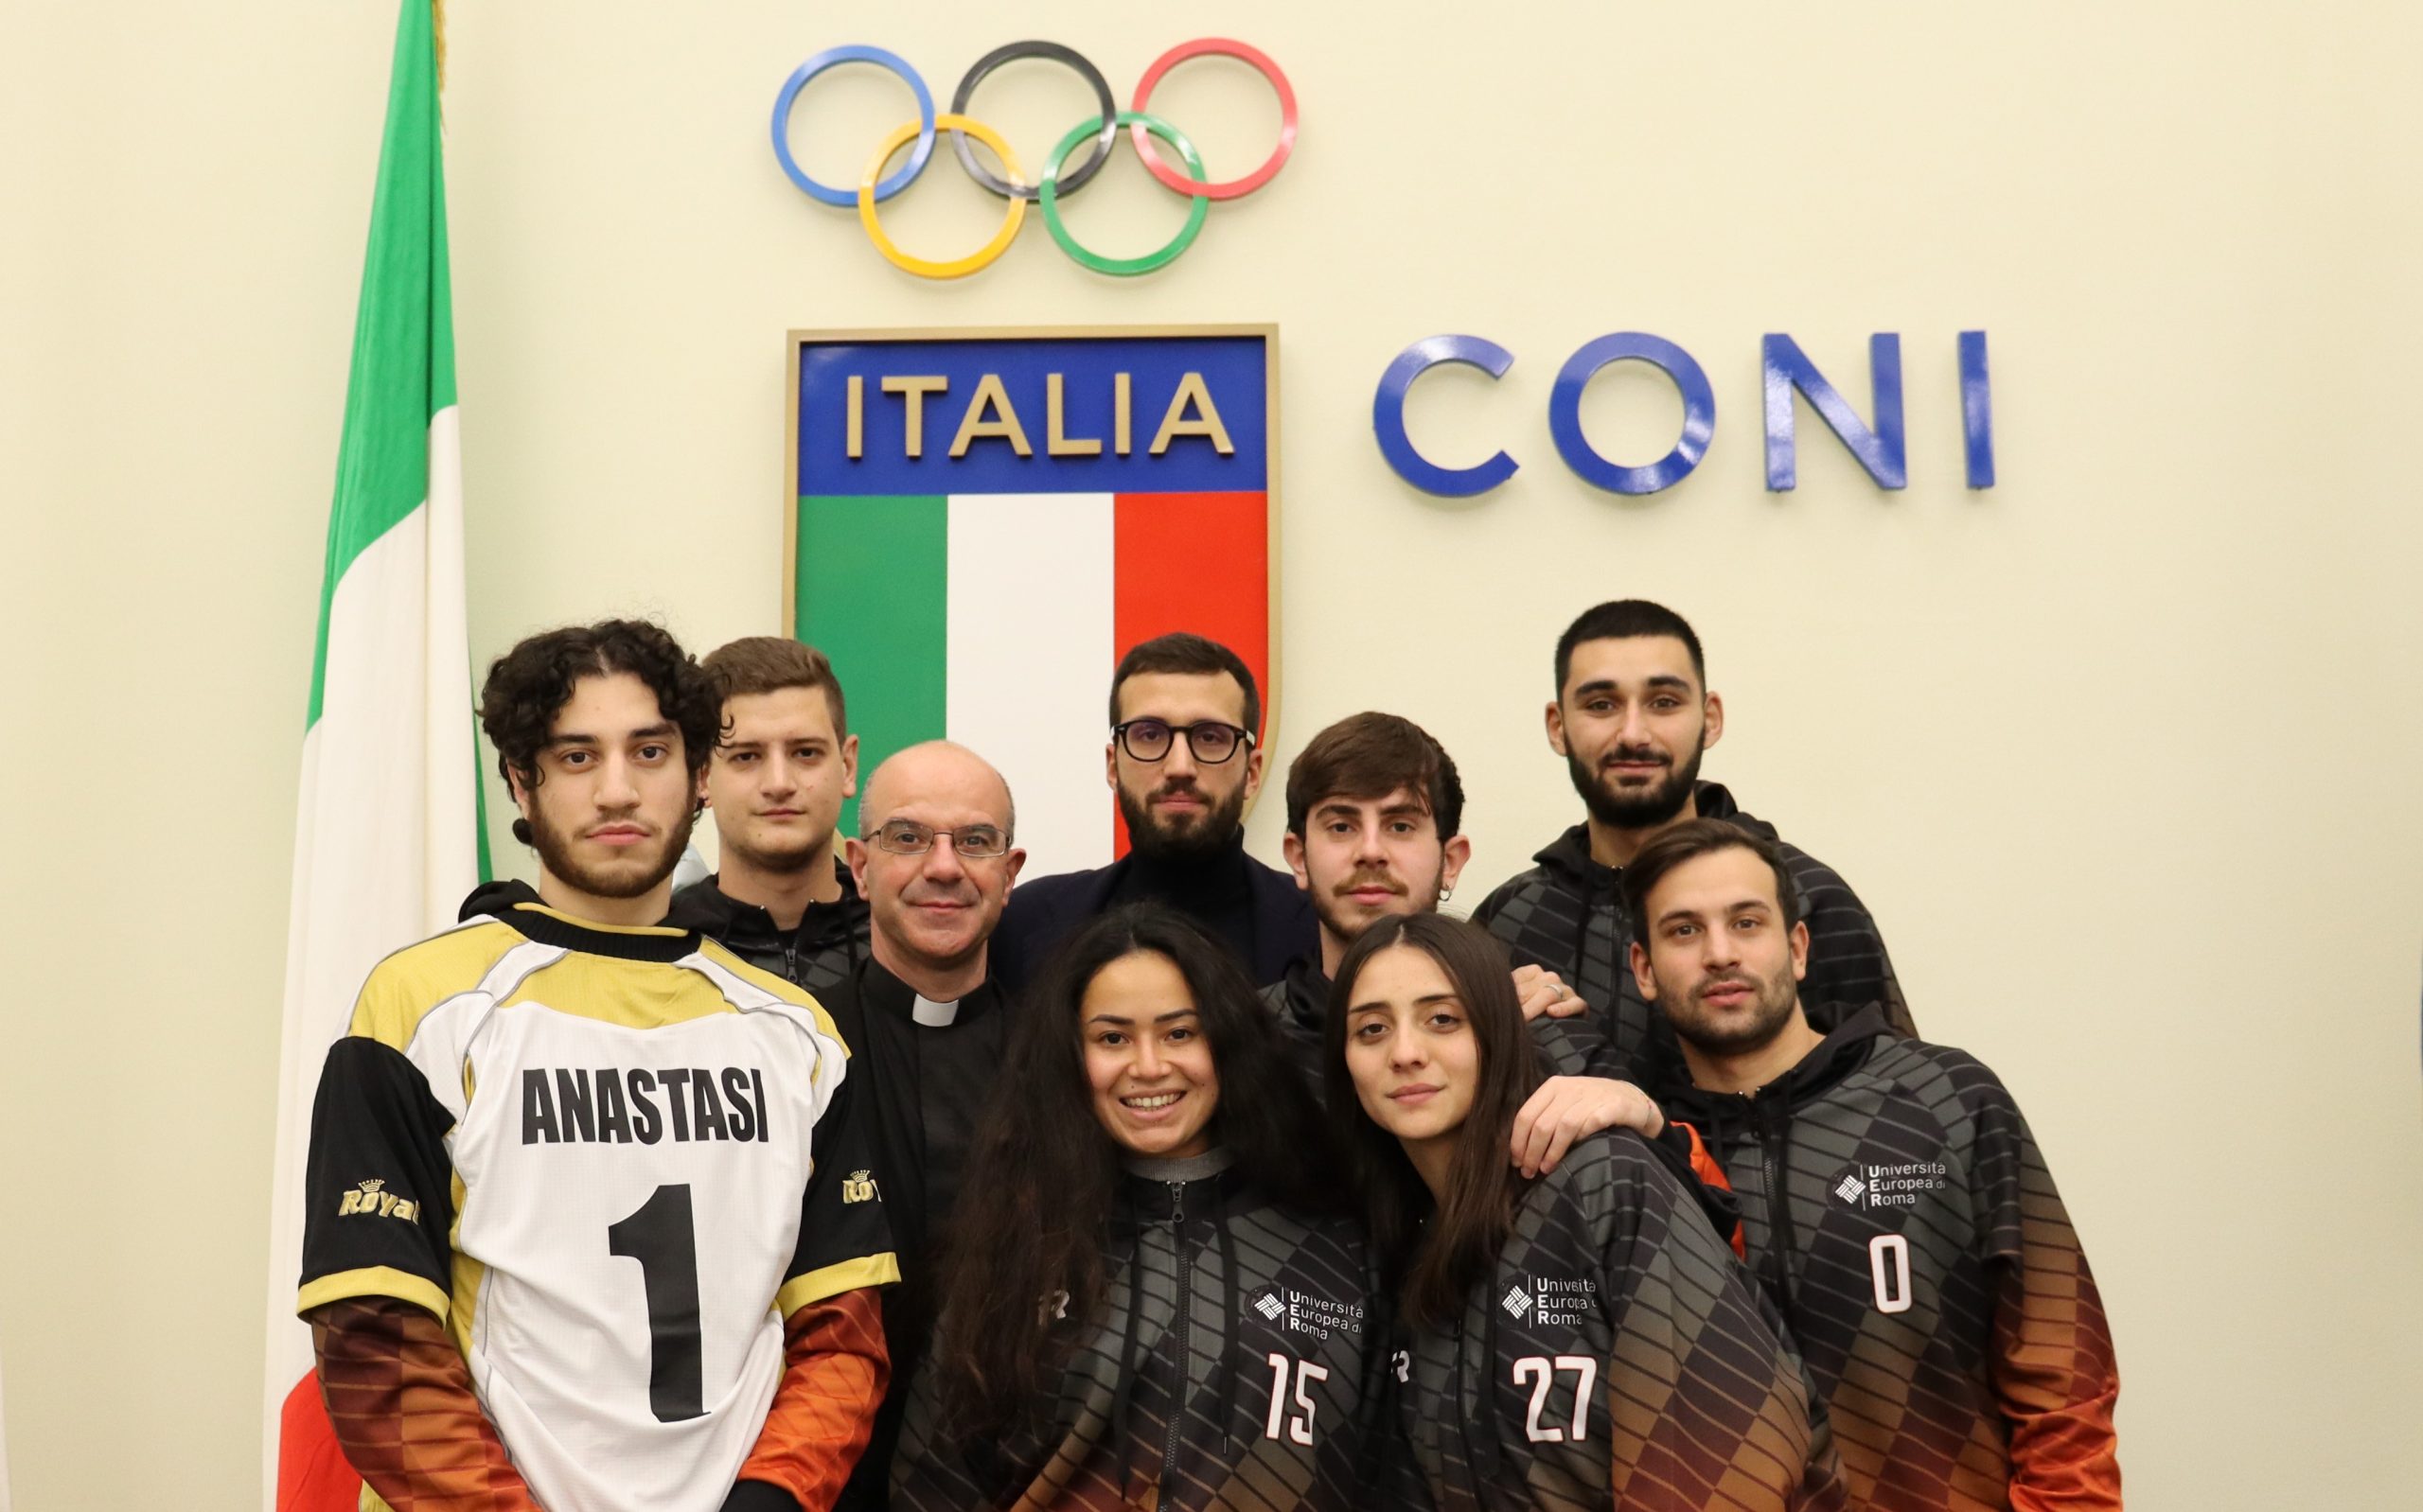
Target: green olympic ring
[[1048, 200]]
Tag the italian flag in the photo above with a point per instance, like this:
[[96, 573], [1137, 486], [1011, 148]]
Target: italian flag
[[387, 826], [996, 619]]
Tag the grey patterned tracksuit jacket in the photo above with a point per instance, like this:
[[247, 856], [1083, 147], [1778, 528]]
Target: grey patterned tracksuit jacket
[[1615, 1356], [1567, 914], [1901, 1214], [1232, 1363]]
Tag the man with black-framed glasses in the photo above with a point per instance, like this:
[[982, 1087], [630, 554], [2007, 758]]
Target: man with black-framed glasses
[[934, 858], [1185, 758]]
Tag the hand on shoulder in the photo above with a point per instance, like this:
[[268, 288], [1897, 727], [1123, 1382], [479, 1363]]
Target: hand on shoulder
[[1568, 1108]]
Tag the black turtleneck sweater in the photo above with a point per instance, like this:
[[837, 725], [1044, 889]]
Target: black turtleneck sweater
[[1214, 891]]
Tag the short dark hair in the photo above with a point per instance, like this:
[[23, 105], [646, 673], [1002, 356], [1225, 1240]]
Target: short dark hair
[[528, 684], [1623, 620], [1688, 841], [1431, 1253], [1370, 756], [1179, 651], [769, 663]]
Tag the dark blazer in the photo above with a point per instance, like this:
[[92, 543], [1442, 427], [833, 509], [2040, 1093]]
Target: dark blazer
[[1045, 911]]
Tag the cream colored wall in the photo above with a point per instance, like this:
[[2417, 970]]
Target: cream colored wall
[[2122, 753]]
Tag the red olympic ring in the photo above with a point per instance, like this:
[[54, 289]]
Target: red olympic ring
[[1223, 47]]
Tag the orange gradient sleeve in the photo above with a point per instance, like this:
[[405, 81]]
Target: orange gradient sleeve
[[834, 1371], [401, 1401], [2055, 1375], [2056, 1378]]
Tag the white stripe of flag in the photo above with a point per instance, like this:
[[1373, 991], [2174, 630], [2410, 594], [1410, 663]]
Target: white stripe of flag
[[1029, 638]]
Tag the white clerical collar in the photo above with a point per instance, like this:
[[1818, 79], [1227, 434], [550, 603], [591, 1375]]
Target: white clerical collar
[[933, 1015]]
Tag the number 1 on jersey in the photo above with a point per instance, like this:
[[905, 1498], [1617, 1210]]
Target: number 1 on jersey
[[664, 1239]]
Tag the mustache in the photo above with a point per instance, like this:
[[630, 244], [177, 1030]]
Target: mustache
[[1699, 993], [1637, 753], [1369, 879]]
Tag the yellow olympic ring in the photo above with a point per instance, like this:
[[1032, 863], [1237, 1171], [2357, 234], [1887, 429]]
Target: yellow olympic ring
[[957, 266]]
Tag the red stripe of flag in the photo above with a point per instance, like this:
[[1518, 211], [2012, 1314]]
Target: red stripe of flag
[[312, 1473], [1198, 562]]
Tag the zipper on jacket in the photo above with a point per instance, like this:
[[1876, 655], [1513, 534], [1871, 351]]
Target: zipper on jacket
[[1591, 913], [1773, 1127], [1185, 1359]]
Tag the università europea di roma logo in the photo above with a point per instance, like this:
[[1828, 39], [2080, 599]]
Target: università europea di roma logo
[[979, 521]]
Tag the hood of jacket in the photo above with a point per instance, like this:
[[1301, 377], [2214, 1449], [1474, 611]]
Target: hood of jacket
[[1843, 1050], [1568, 854], [750, 930], [495, 899], [1303, 997]]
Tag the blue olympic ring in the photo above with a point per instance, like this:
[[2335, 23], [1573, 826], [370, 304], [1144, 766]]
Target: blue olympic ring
[[830, 57]]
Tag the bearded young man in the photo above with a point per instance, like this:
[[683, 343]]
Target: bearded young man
[[1185, 758], [1633, 718], [590, 1220], [782, 898], [1894, 1203]]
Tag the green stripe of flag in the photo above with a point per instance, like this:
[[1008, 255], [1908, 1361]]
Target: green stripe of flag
[[403, 338], [872, 596]]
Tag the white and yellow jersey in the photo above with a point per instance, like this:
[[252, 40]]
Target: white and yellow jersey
[[611, 1161]]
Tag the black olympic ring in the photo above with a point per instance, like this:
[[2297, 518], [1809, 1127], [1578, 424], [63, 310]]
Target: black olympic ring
[[1052, 52]]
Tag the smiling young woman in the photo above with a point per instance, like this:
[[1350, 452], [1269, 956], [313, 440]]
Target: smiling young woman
[[1581, 1340], [1160, 1301]]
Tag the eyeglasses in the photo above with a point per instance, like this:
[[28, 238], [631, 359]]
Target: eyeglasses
[[1212, 742], [969, 842]]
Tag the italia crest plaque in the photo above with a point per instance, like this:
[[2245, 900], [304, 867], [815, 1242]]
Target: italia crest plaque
[[979, 521]]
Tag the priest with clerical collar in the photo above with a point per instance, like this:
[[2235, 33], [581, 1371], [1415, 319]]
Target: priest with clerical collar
[[934, 860]]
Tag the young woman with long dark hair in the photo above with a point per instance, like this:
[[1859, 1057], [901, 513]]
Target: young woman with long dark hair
[[1159, 1300], [1578, 1341]]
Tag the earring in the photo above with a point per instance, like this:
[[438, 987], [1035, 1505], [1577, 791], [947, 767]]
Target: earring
[[1444, 893]]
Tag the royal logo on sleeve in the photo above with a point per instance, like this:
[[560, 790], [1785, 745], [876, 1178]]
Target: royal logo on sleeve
[[369, 1197]]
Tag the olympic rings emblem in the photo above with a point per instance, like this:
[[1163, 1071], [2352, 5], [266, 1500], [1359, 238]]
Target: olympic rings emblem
[[1058, 178]]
